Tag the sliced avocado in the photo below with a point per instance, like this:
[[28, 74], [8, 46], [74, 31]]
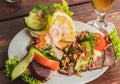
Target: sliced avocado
[[81, 62], [23, 64]]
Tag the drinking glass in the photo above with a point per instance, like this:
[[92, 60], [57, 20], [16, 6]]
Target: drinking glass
[[101, 7], [12, 1]]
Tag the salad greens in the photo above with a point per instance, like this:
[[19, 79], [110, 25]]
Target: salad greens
[[29, 79], [64, 7], [49, 52], [116, 42], [40, 16], [10, 64], [48, 9]]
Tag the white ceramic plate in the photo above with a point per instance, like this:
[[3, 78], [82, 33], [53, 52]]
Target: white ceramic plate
[[21, 41]]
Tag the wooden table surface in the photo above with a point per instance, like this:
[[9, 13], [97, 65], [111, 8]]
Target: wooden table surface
[[11, 22]]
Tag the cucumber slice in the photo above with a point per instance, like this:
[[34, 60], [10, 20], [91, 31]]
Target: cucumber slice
[[86, 42], [23, 64], [33, 24], [81, 62]]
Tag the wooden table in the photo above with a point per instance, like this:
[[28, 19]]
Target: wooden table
[[11, 22]]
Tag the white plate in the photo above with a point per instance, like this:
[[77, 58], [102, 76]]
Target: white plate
[[21, 41]]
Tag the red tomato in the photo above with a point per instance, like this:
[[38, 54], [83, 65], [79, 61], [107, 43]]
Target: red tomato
[[52, 64], [100, 43]]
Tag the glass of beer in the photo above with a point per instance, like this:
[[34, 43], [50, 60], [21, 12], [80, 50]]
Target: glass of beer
[[12, 1], [101, 7]]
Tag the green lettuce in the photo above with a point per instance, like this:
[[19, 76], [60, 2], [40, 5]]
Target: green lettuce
[[48, 9], [116, 42], [64, 6], [29, 79], [10, 64]]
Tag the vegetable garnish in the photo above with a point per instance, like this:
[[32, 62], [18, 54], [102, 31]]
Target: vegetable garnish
[[100, 43], [116, 42], [41, 59], [40, 16], [29, 79], [46, 57], [10, 64], [64, 7]]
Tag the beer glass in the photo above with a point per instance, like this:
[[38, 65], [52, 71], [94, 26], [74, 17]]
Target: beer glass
[[12, 1], [101, 7]]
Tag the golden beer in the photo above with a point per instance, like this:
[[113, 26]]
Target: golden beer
[[102, 5]]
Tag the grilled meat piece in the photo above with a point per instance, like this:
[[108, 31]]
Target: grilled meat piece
[[109, 56], [39, 72], [97, 61]]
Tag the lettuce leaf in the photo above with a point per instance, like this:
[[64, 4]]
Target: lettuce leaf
[[64, 7], [29, 79], [10, 65], [116, 42], [48, 9]]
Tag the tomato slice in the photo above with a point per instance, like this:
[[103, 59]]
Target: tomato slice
[[52, 64], [100, 43]]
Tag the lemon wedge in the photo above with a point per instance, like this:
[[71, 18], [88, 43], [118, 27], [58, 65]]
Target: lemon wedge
[[62, 19]]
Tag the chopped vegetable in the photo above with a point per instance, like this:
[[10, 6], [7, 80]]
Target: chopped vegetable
[[87, 42], [100, 43], [43, 60], [48, 50], [84, 61], [29, 79], [116, 43], [10, 64], [92, 36]]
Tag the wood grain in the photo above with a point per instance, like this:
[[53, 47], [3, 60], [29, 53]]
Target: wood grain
[[10, 10], [5, 80], [85, 12], [8, 31]]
